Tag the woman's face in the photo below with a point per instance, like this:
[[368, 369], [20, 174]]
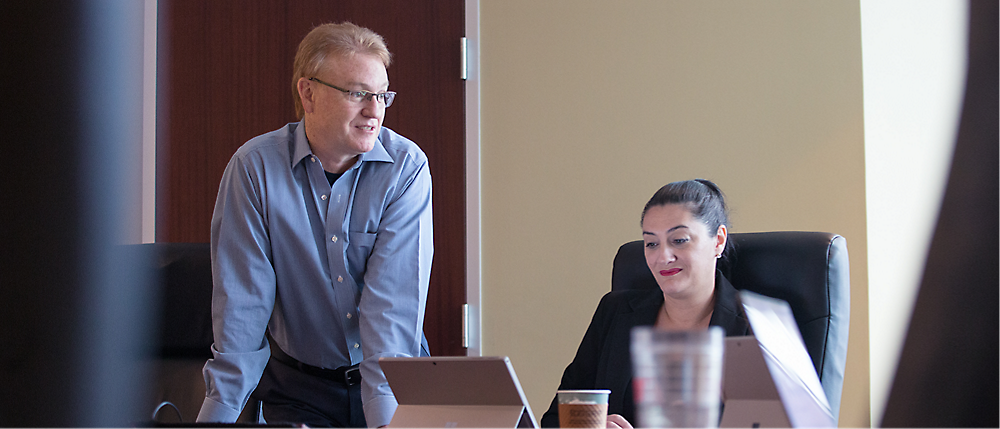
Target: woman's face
[[680, 251]]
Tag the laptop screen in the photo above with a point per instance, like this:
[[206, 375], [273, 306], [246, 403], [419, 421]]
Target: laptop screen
[[457, 391], [769, 378]]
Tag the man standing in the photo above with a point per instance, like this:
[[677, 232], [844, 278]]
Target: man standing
[[322, 237]]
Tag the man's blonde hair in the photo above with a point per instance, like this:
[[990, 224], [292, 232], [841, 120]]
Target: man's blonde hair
[[333, 40]]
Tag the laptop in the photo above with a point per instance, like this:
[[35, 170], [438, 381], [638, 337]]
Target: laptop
[[457, 392], [769, 379]]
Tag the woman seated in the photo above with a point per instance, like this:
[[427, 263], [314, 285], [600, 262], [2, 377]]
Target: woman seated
[[684, 233]]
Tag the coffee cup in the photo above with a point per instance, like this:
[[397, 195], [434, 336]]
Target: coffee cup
[[583, 408]]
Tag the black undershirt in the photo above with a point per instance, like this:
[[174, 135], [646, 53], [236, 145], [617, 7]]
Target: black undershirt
[[332, 177]]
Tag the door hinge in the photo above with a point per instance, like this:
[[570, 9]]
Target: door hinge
[[463, 71], [465, 326]]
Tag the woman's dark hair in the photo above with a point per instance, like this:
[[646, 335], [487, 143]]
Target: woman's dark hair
[[702, 197]]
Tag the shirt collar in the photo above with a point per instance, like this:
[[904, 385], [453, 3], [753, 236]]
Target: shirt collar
[[302, 150], [378, 153]]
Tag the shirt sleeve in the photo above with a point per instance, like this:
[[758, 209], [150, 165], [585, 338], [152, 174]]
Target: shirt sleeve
[[242, 294], [395, 294]]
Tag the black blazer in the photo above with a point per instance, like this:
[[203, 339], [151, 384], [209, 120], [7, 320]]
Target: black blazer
[[603, 360]]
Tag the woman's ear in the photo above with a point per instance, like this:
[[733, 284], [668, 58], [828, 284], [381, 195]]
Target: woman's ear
[[721, 236]]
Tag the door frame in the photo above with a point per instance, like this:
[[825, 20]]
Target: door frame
[[473, 219]]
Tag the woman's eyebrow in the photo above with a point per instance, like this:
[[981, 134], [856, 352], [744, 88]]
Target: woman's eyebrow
[[668, 231]]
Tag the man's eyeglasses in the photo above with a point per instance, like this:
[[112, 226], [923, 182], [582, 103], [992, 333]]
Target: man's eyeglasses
[[359, 96]]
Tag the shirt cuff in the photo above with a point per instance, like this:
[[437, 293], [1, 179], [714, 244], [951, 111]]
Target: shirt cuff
[[214, 411], [379, 411]]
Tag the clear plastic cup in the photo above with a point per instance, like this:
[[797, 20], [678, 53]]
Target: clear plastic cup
[[583, 408], [677, 377]]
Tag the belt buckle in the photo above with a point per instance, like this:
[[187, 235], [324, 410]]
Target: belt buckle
[[352, 375]]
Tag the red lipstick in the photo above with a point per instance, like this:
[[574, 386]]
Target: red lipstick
[[670, 272]]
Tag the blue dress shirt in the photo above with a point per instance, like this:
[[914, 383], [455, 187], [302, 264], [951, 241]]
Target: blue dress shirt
[[339, 274]]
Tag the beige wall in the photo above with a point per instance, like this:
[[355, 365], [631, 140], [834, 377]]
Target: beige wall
[[589, 107]]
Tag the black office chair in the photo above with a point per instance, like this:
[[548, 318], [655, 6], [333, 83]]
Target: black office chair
[[809, 270], [181, 276]]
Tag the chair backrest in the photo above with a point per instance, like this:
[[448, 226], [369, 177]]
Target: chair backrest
[[180, 275], [809, 270], [183, 274]]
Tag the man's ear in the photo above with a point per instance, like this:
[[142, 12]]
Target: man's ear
[[306, 94]]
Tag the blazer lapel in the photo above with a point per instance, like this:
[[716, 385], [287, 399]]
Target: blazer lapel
[[728, 312], [642, 309]]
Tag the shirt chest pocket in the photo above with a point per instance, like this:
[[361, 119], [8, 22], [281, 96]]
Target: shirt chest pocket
[[358, 251]]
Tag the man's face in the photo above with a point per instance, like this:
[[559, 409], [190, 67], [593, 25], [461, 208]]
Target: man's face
[[333, 120]]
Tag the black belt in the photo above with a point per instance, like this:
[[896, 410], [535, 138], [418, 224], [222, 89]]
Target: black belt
[[349, 375]]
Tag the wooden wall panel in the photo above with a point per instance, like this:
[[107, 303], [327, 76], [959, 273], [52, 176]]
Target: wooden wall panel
[[225, 77]]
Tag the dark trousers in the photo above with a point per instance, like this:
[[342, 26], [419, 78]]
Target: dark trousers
[[290, 396]]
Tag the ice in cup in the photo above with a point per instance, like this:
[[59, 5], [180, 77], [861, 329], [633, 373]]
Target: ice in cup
[[583, 408]]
